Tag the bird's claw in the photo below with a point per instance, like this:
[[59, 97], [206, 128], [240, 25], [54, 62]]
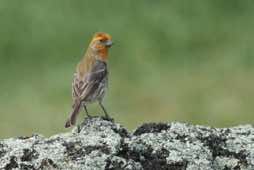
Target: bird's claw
[[108, 118]]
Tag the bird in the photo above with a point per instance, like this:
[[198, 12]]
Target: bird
[[90, 80]]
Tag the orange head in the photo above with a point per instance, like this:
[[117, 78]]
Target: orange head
[[100, 43]]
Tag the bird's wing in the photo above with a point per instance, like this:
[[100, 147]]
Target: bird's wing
[[92, 80], [75, 86]]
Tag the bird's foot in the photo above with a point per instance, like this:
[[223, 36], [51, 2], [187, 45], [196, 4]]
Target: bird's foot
[[89, 116], [78, 128], [108, 118]]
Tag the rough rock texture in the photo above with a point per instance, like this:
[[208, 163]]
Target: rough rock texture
[[103, 144]]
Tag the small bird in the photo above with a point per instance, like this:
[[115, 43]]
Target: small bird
[[91, 77]]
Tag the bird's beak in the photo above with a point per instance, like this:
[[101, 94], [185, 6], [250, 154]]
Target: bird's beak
[[108, 43]]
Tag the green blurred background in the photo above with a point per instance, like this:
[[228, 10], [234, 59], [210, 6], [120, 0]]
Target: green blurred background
[[190, 61]]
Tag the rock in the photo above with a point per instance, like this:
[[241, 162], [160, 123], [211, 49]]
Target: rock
[[103, 144]]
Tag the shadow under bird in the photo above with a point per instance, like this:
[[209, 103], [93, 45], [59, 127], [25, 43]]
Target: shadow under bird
[[91, 77]]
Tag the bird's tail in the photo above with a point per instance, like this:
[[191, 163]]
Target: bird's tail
[[73, 115]]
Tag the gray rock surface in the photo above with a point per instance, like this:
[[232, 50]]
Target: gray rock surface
[[102, 144]]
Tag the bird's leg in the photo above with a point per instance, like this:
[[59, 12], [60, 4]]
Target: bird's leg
[[87, 114], [104, 110]]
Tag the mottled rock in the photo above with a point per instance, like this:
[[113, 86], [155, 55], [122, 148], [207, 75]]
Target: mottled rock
[[102, 144]]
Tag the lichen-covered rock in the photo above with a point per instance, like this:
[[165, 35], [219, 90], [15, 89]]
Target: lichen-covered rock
[[102, 144]]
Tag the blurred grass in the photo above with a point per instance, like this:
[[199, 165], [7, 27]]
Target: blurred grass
[[173, 61]]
